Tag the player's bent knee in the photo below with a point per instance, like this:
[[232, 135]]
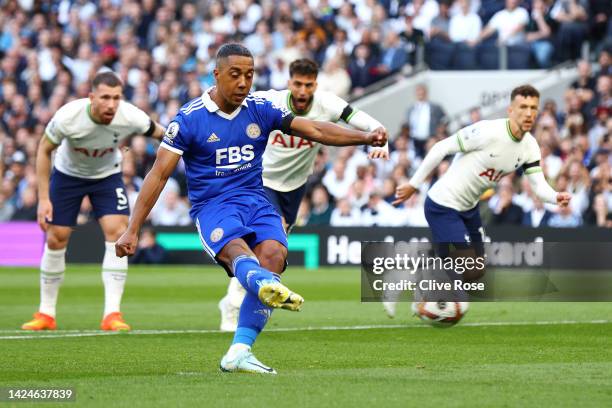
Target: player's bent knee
[[272, 256], [57, 237]]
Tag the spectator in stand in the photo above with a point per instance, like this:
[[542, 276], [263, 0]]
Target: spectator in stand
[[584, 85], [565, 218], [172, 211], [149, 252], [6, 208], [440, 25], [539, 33], [572, 18], [509, 24], [423, 117], [26, 211], [605, 62], [378, 212], [538, 216], [394, 56], [334, 78], [465, 25], [362, 69], [413, 39], [345, 215], [321, 208], [337, 180], [422, 12], [505, 212]]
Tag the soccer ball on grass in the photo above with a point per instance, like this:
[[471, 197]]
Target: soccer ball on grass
[[440, 314]]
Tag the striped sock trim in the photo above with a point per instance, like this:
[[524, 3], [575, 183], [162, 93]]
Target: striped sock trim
[[241, 258]]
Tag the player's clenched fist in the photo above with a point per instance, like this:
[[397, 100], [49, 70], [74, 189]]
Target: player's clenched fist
[[44, 213], [127, 244], [379, 154], [403, 192], [563, 199], [378, 137]]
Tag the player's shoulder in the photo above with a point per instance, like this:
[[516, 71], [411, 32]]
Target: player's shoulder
[[531, 141], [128, 108], [328, 99], [129, 112], [272, 95], [490, 127], [194, 105], [72, 110]]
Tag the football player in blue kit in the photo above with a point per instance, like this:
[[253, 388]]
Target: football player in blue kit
[[221, 137]]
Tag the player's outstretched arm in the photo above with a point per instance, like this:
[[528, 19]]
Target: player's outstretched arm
[[153, 184], [158, 132], [362, 121], [543, 190], [438, 152], [43, 169], [333, 135]]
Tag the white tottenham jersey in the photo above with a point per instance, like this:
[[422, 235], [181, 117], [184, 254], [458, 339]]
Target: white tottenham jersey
[[489, 151], [288, 160], [88, 149]]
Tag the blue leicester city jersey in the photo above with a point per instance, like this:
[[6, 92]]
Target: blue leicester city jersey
[[223, 152]]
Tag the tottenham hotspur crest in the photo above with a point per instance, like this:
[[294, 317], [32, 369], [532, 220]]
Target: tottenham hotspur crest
[[253, 131]]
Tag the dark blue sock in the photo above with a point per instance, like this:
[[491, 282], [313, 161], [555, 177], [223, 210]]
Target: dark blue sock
[[252, 318], [250, 274]]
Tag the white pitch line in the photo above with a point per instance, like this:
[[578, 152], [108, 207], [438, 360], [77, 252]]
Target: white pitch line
[[94, 333]]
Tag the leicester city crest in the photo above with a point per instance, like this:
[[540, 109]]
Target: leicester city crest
[[216, 234], [253, 131]]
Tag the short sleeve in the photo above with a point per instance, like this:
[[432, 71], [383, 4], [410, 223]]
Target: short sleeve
[[140, 121], [178, 137], [277, 117], [524, 16], [334, 106], [53, 131], [495, 21], [534, 155], [471, 138]]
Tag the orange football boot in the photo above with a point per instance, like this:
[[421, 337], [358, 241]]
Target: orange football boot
[[114, 322], [41, 322]]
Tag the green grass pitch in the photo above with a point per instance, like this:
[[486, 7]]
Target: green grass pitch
[[336, 352]]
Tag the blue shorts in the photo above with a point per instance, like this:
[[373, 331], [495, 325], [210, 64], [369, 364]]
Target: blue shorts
[[286, 203], [107, 196], [463, 229], [251, 218]]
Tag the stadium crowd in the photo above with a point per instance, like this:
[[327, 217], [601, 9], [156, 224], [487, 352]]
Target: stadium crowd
[[163, 51]]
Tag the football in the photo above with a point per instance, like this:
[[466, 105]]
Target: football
[[440, 314]]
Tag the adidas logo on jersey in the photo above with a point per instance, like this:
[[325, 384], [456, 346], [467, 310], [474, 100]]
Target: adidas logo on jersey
[[213, 138]]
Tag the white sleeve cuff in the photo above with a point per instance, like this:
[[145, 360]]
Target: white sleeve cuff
[[172, 149]]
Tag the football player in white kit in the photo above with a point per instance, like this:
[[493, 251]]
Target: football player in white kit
[[87, 134], [289, 160], [484, 152]]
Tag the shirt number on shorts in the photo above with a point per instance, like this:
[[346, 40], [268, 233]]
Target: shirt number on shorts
[[122, 200]]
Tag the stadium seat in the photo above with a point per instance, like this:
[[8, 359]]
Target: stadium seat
[[439, 55], [488, 57], [464, 57], [519, 57]]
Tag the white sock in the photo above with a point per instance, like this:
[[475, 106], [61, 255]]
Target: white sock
[[114, 274], [235, 293], [235, 349], [52, 267]]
